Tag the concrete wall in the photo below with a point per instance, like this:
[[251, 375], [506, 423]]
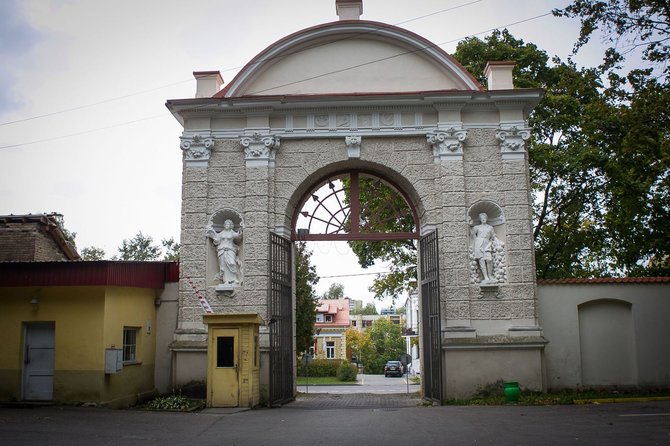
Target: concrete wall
[[606, 334]]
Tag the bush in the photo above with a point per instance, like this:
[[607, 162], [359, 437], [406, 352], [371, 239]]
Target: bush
[[320, 367], [347, 372]]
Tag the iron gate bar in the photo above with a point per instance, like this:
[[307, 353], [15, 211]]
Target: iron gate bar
[[280, 322], [430, 317]]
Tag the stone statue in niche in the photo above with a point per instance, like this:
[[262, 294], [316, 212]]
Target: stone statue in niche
[[487, 254], [226, 242]]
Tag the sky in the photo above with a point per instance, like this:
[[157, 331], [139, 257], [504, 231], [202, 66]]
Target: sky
[[84, 131]]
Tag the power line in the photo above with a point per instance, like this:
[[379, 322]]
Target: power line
[[283, 85], [104, 101], [118, 98], [121, 124], [354, 275]]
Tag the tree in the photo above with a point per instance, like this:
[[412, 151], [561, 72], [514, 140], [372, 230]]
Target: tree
[[92, 253], [335, 291], [386, 339], [171, 248], [306, 301], [369, 309], [599, 157], [628, 25], [139, 248], [385, 210], [359, 345], [599, 174]]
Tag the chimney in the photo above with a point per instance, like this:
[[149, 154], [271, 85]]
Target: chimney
[[499, 75], [207, 83], [349, 9]]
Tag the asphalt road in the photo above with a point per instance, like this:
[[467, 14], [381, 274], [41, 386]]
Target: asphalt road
[[377, 384], [607, 424]]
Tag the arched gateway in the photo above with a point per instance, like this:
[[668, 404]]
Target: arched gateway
[[359, 98]]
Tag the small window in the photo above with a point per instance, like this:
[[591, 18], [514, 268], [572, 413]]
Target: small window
[[330, 350], [353, 323], [319, 317], [130, 344], [329, 318]]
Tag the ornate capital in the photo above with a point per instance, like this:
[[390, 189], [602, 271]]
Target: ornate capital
[[512, 141], [196, 149], [353, 144], [260, 150], [447, 144]]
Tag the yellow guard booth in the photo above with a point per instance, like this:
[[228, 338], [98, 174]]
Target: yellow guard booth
[[233, 360]]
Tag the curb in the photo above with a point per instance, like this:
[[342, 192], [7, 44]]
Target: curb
[[622, 400]]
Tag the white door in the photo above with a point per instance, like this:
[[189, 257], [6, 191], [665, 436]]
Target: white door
[[38, 361]]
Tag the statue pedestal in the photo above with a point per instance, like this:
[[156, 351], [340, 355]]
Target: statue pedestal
[[226, 288]]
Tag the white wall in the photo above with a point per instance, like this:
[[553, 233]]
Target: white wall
[[605, 334]]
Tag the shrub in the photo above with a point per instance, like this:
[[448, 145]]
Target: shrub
[[347, 372], [320, 367]]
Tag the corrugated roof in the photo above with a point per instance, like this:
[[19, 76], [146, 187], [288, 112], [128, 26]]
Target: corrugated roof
[[96, 273]]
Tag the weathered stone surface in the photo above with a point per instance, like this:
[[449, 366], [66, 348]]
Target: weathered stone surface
[[480, 309], [456, 310]]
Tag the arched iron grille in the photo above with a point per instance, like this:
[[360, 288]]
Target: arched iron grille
[[355, 205]]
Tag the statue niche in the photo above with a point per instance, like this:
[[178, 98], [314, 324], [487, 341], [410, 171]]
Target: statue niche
[[488, 263], [225, 230]]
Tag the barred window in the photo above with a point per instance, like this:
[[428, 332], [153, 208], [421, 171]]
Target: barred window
[[130, 344]]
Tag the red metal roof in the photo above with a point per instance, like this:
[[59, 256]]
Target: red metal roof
[[97, 273], [604, 280]]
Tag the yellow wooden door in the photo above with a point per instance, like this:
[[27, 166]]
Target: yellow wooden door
[[225, 367]]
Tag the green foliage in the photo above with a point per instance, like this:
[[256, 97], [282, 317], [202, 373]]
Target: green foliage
[[335, 291], [627, 25], [171, 249], [386, 210], [369, 309], [347, 372], [380, 343], [142, 248], [599, 172], [306, 301], [319, 367], [92, 253], [139, 248], [172, 403]]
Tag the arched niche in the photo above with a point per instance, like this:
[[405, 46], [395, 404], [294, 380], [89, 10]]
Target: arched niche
[[216, 222]]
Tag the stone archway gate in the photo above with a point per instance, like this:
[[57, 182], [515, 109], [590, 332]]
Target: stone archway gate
[[369, 96]]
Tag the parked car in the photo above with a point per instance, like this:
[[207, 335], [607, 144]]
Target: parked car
[[393, 368]]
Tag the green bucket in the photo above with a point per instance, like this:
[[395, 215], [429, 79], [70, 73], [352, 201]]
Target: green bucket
[[512, 392]]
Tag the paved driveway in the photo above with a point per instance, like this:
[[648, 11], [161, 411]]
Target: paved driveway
[[369, 384]]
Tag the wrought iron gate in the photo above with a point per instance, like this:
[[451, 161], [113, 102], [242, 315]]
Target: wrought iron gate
[[430, 317], [280, 314]]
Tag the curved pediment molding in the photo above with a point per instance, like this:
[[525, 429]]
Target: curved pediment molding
[[350, 57]]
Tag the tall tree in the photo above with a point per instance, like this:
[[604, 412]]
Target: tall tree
[[628, 25], [386, 339], [171, 250], [140, 248], [335, 291], [306, 300], [92, 253]]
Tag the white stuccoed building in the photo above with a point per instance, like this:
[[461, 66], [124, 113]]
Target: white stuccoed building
[[333, 105]]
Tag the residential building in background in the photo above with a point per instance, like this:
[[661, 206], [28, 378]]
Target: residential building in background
[[332, 321]]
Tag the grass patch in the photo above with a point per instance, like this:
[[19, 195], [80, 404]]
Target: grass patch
[[322, 381]]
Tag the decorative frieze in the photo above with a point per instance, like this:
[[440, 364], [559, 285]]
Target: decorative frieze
[[196, 149], [260, 150], [447, 144], [512, 141], [353, 144]]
